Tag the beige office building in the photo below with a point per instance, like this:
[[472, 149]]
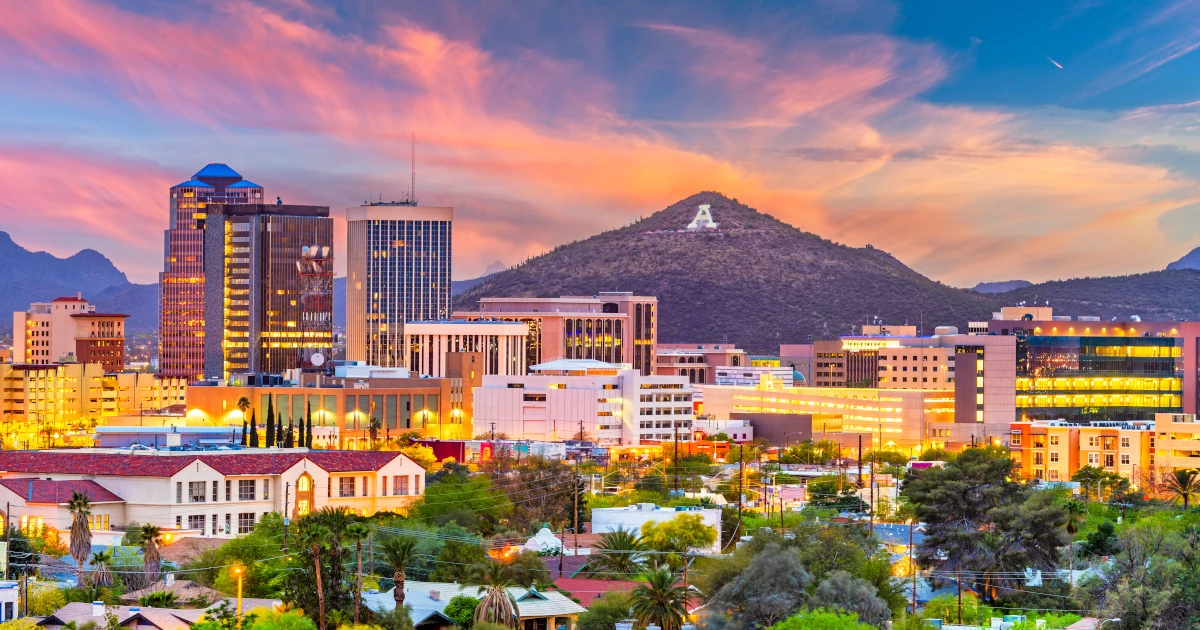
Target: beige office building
[[397, 271]]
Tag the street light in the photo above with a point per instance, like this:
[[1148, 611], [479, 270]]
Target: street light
[[237, 570]]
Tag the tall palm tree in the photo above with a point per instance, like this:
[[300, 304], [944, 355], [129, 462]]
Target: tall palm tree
[[617, 555], [1183, 484], [151, 559], [495, 606], [660, 600], [357, 533], [101, 574], [312, 537], [398, 552], [1076, 511], [81, 532], [242, 405]]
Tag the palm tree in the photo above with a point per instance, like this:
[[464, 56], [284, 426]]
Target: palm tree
[[495, 606], [1183, 484], [81, 532], [617, 555], [101, 574], [357, 532], [398, 552], [151, 560], [312, 537], [243, 404], [158, 599], [660, 600], [1076, 511]]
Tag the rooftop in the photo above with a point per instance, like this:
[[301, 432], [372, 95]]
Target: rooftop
[[192, 183], [531, 603], [216, 169], [59, 492], [573, 365], [167, 464]]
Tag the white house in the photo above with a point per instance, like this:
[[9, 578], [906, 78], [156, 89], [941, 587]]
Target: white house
[[631, 518], [219, 494]]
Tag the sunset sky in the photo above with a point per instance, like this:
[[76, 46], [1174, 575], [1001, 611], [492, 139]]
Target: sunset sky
[[974, 141]]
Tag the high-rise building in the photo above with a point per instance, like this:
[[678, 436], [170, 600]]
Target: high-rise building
[[397, 271], [181, 325], [611, 326], [258, 316], [69, 329]]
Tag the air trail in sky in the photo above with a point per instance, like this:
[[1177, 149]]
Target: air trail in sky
[[1054, 62]]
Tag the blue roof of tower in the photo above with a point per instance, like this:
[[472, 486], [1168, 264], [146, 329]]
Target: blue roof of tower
[[191, 183], [216, 170], [245, 183]]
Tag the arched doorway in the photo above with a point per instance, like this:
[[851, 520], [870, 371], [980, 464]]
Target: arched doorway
[[304, 495]]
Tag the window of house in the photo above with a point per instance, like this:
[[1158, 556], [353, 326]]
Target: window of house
[[178, 521], [246, 490], [216, 488], [401, 485], [245, 522], [1124, 459], [196, 521], [99, 522], [345, 486], [228, 490], [179, 492], [1053, 458], [1093, 440], [1124, 442], [1109, 460], [214, 524], [228, 525], [416, 484], [1037, 459], [1093, 459], [196, 491], [1016, 439], [266, 489], [383, 486], [366, 487], [1053, 440], [1053, 473]]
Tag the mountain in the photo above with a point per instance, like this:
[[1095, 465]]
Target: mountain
[[1189, 261], [495, 267], [27, 276], [1001, 287], [756, 280], [1172, 295]]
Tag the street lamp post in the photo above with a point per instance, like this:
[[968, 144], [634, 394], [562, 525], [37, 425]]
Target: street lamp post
[[237, 570], [913, 565]]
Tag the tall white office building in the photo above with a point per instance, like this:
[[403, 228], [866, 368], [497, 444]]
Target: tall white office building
[[397, 271]]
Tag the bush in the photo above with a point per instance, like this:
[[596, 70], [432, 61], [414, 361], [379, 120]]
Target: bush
[[461, 610], [605, 612], [822, 619], [44, 600]]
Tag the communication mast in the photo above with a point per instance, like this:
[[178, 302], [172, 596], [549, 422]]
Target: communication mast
[[316, 305], [412, 189]]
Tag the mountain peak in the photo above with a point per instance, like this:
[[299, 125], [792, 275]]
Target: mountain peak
[[1190, 261]]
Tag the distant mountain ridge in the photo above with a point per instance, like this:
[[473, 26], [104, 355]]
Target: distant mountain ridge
[[27, 277], [1191, 260], [1003, 286]]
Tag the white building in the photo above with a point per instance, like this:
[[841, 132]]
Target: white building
[[632, 517], [219, 494], [751, 375], [502, 344], [614, 404]]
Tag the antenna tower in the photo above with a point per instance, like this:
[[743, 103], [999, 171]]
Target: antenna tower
[[412, 189], [315, 267]]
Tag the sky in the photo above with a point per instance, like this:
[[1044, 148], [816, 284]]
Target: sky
[[974, 141]]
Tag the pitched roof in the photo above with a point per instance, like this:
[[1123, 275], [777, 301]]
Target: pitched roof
[[587, 590], [147, 465], [530, 602], [216, 169], [192, 183], [184, 591], [164, 618], [59, 492]]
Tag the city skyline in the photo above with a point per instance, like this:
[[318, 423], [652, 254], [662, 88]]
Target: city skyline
[[966, 142]]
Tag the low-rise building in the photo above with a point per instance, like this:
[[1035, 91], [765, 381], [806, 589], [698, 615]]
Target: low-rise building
[[218, 494], [610, 403], [751, 375], [1176, 442], [1054, 451], [631, 518], [69, 327], [697, 361], [501, 343]]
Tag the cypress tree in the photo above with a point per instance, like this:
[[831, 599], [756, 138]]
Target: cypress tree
[[253, 430], [243, 431], [279, 431], [289, 437], [300, 433], [308, 432], [270, 425]]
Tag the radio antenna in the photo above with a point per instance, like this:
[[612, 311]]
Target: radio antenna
[[412, 190]]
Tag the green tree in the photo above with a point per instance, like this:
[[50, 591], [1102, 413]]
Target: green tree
[[254, 428], [43, 600], [467, 502], [151, 536], [270, 435], [660, 600], [1183, 485], [24, 559], [357, 533], [1093, 481], [1076, 512], [158, 599], [822, 619], [605, 612], [678, 537], [311, 537], [461, 610], [1102, 541], [399, 553], [844, 591], [617, 555], [264, 619], [496, 606], [101, 569], [771, 587], [455, 560], [80, 508]]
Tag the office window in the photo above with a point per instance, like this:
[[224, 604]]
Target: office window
[[196, 521], [196, 492], [345, 486], [246, 490], [245, 522], [401, 485], [216, 489]]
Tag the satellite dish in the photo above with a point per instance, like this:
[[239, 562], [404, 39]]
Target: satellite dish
[[304, 251], [318, 359]]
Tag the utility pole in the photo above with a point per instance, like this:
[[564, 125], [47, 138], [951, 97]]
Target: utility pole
[[493, 434], [287, 491], [912, 562], [871, 508], [741, 476], [576, 514], [860, 475], [675, 430], [562, 551], [7, 553]]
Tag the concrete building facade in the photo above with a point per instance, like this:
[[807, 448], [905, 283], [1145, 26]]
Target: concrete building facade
[[501, 343], [69, 328], [699, 362], [611, 327], [398, 270]]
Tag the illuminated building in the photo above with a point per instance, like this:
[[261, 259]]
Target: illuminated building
[[1085, 370], [611, 327], [698, 362], [613, 404], [398, 269], [1176, 442], [1054, 451], [502, 345], [181, 326], [344, 404], [68, 328], [38, 402], [254, 310]]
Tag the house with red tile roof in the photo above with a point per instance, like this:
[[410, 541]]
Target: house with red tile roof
[[212, 494]]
